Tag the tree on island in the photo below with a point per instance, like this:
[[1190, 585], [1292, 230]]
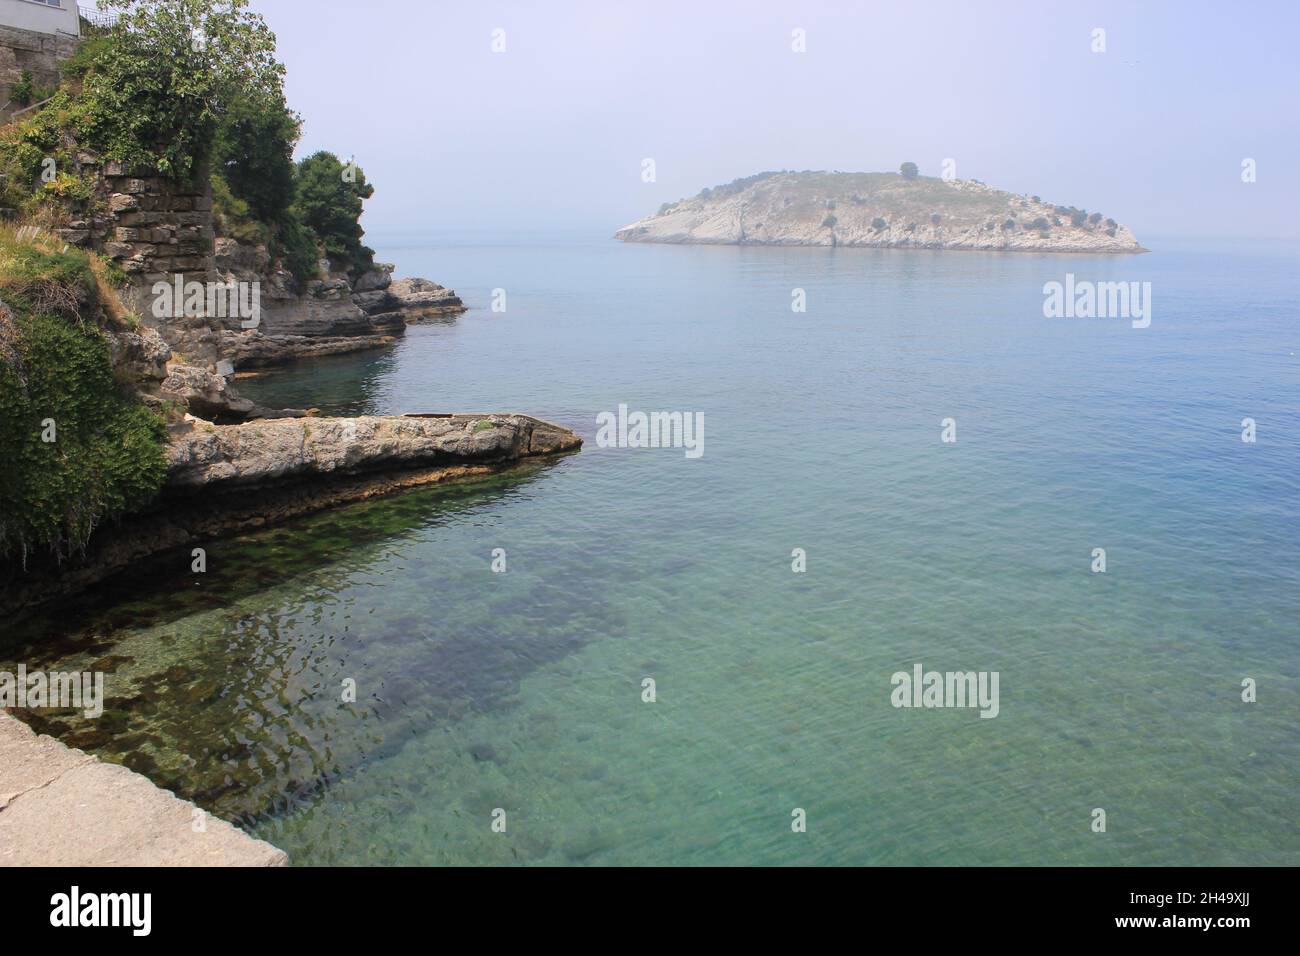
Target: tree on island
[[909, 171]]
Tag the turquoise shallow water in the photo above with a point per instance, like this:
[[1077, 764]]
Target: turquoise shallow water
[[522, 691]]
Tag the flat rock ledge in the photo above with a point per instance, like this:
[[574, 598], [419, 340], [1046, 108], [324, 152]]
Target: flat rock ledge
[[229, 479], [62, 807], [222, 457]]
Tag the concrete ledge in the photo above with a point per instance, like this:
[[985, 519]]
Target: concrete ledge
[[62, 807]]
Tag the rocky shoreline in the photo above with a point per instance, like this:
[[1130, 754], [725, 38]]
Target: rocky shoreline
[[330, 316], [227, 479], [233, 464], [159, 230]]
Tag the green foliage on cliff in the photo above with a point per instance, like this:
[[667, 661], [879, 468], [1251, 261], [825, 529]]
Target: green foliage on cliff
[[38, 163], [189, 88], [78, 450], [253, 151], [156, 93], [26, 90], [329, 199], [296, 246]]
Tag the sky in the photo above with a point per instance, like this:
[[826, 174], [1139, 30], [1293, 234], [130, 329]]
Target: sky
[[551, 134]]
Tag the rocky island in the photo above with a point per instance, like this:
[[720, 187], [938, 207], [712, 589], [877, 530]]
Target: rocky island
[[886, 210]]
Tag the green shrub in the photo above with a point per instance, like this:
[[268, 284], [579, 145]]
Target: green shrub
[[829, 222], [22, 92], [878, 224], [330, 204], [26, 148], [233, 217], [295, 245], [107, 457], [56, 380], [37, 281]]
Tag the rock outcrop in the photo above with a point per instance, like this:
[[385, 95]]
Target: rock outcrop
[[328, 316], [156, 229], [220, 458], [226, 479], [209, 395], [322, 318], [421, 299], [878, 209]]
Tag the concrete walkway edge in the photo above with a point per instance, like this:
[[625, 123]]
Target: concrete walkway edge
[[63, 807]]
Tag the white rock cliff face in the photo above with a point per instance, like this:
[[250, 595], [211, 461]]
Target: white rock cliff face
[[880, 210]]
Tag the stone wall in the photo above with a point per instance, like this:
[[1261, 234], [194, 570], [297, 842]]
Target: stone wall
[[153, 228], [156, 229], [38, 53]]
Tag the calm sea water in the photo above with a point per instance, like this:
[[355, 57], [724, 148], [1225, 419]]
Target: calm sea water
[[522, 691]]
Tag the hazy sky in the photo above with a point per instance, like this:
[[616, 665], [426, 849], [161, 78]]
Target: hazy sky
[[552, 132]]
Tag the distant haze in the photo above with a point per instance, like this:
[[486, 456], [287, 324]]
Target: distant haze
[[551, 134]]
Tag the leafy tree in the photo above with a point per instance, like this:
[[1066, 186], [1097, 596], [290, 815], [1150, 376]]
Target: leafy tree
[[909, 171], [253, 152], [296, 247], [328, 200], [879, 224], [156, 94]]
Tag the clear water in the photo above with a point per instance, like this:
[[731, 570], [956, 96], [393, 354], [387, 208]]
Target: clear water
[[522, 691]]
